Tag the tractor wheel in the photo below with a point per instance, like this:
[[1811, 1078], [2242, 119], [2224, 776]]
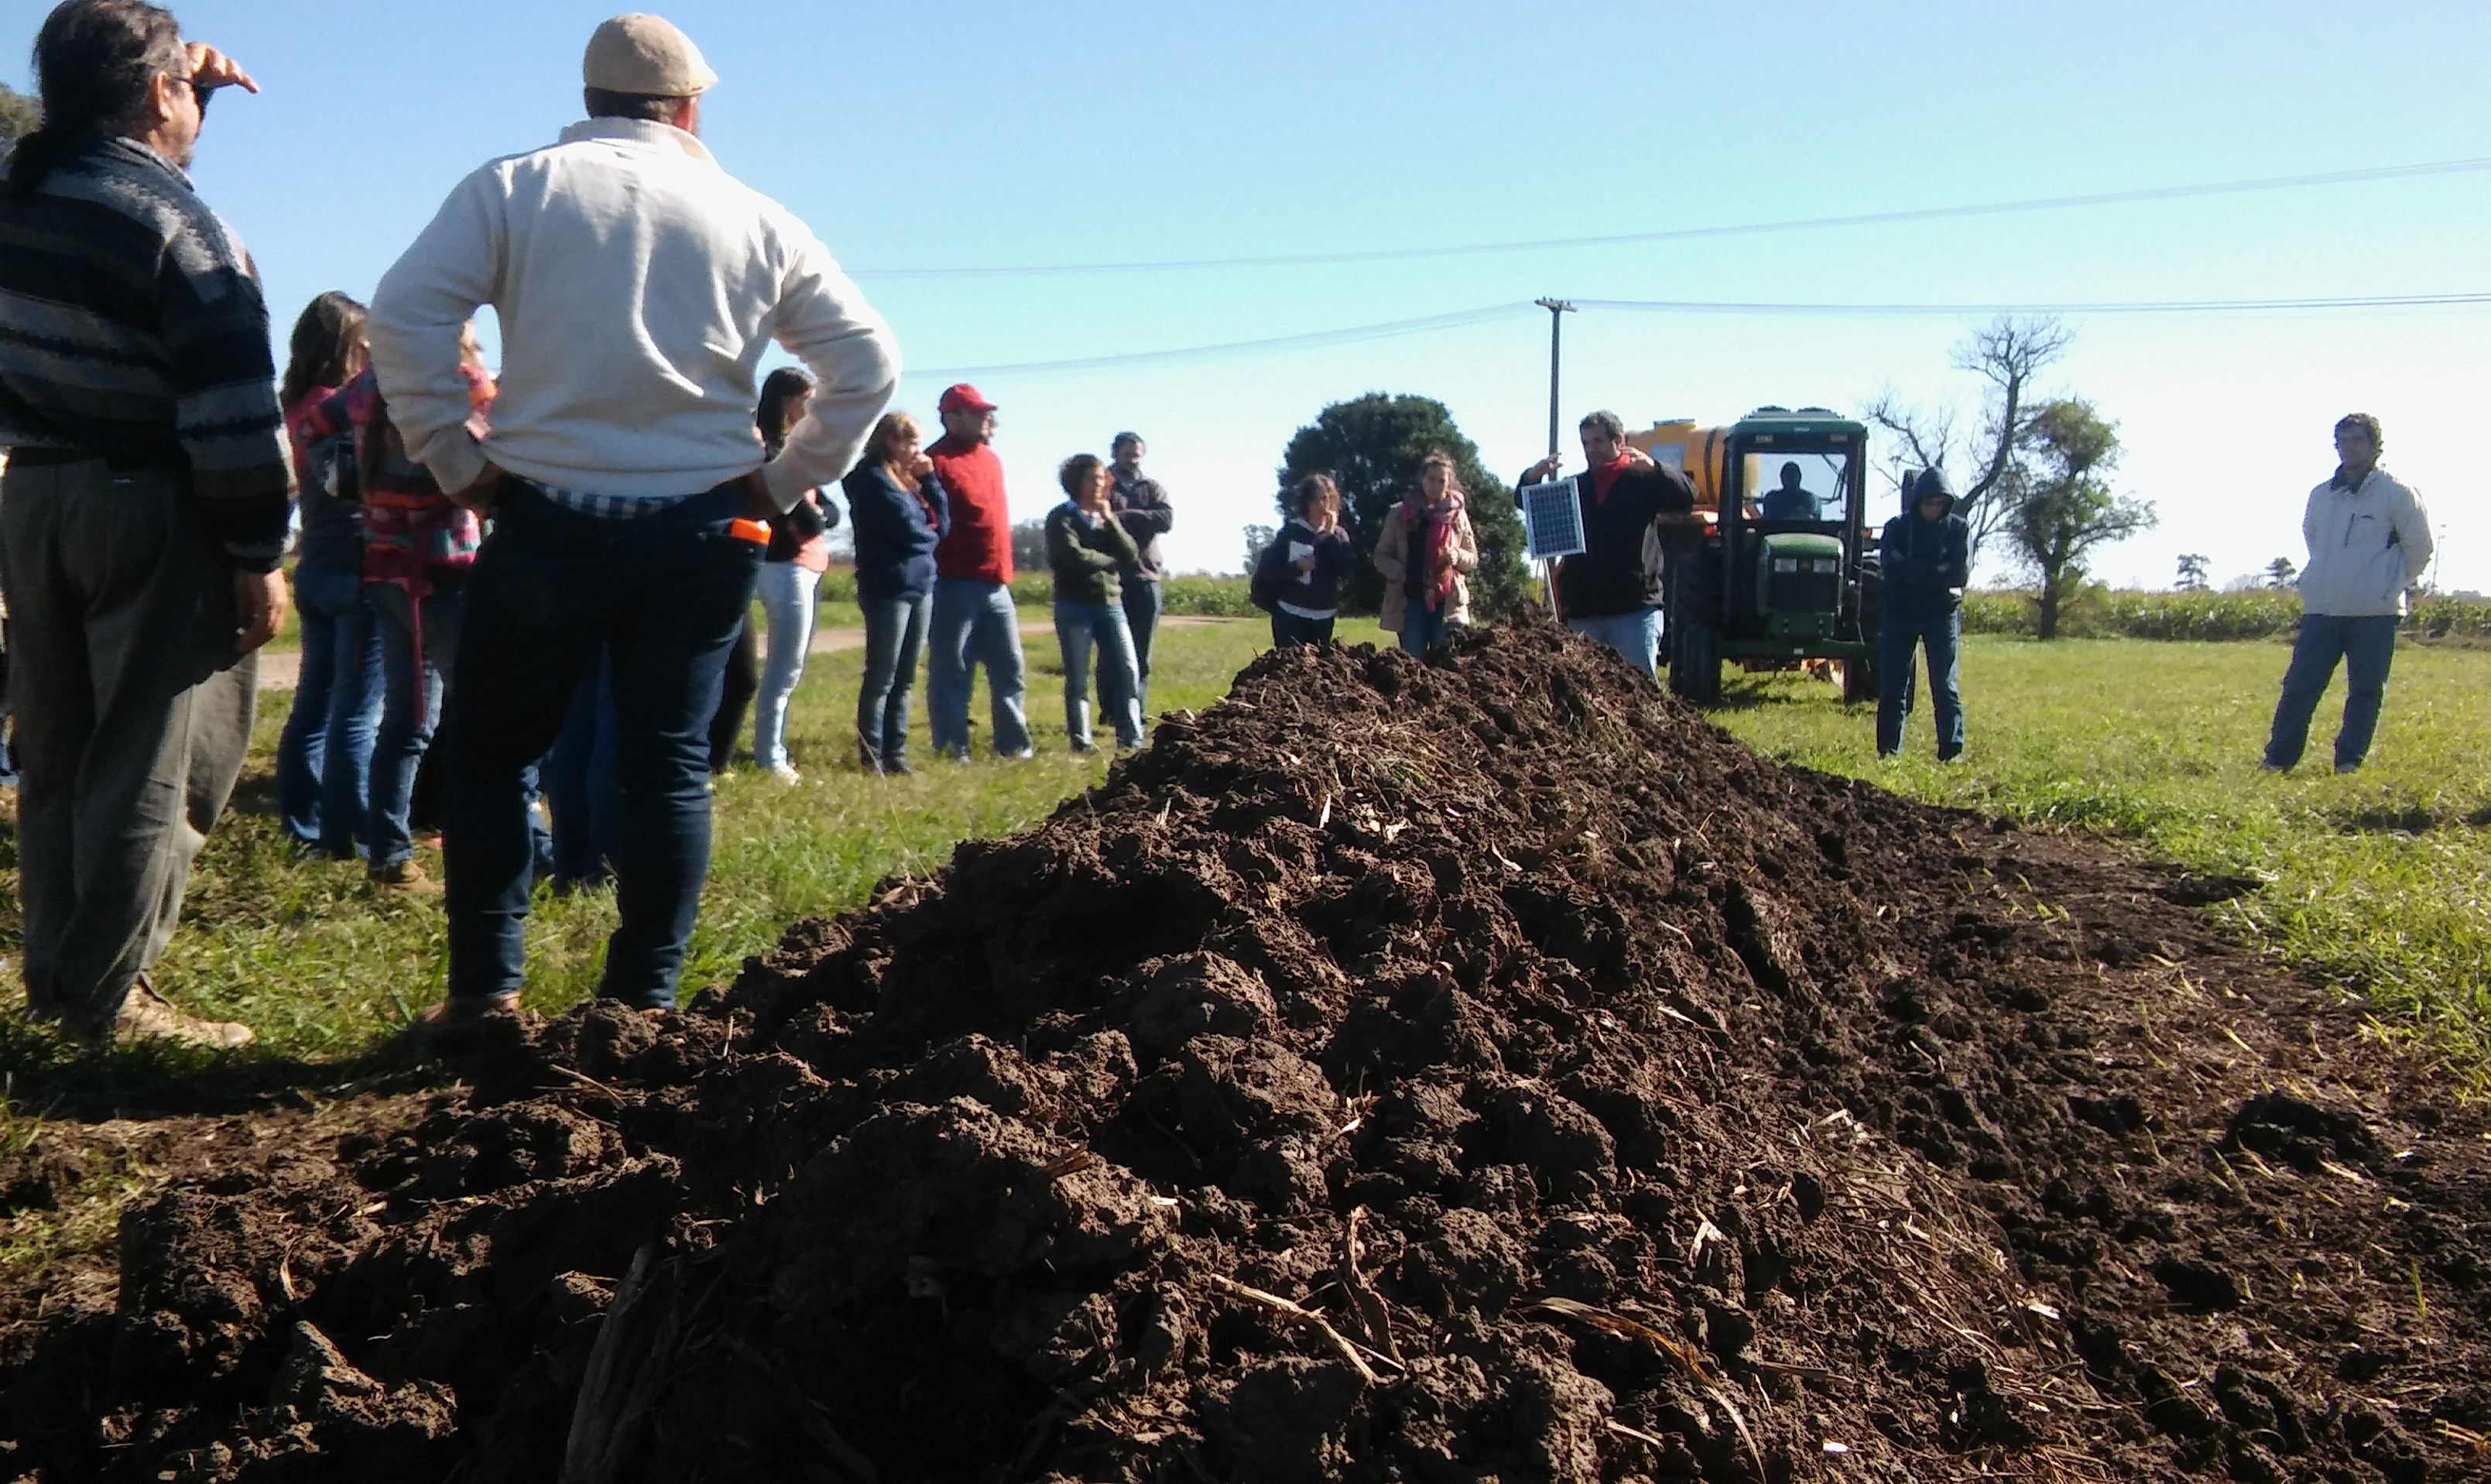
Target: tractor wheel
[[1695, 670], [1859, 676]]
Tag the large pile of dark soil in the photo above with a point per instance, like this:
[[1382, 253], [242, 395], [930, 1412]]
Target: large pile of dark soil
[[1478, 1069]]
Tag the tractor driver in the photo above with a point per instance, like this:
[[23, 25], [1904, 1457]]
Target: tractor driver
[[1790, 501], [1610, 592]]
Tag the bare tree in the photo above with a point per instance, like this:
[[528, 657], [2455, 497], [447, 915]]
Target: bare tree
[[2008, 356]]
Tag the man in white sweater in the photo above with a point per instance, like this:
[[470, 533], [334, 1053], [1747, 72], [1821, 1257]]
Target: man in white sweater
[[2370, 540], [637, 286]]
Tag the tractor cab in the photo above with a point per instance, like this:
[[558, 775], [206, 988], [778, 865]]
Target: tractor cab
[[1770, 569]]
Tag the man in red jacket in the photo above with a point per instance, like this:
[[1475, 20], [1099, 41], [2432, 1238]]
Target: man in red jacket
[[974, 621]]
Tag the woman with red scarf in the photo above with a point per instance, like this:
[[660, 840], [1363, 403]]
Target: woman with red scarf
[[1427, 554]]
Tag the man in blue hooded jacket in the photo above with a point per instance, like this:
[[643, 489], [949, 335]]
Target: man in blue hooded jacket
[[1925, 560]]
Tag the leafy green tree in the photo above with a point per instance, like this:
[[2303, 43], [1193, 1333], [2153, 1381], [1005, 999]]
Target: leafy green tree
[[1256, 539], [1372, 447], [2280, 572], [2192, 572], [2060, 506], [1029, 545], [18, 116]]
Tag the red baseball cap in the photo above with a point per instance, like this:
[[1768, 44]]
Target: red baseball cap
[[963, 398]]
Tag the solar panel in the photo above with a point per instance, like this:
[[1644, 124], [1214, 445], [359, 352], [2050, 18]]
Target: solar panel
[[1552, 518]]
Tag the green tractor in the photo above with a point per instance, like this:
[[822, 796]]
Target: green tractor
[[1777, 566]]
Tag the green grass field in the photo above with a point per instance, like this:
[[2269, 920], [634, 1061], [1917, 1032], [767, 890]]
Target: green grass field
[[2376, 880]]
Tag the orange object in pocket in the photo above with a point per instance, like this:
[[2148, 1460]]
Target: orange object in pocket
[[757, 531]]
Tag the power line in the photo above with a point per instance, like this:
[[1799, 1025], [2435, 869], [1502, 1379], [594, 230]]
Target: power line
[[1311, 340], [1962, 310], [1684, 234], [1350, 335]]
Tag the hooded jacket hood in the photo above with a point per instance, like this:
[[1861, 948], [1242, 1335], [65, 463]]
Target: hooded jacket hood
[[1927, 483]]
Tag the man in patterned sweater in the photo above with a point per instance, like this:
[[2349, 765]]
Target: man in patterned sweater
[[141, 515]]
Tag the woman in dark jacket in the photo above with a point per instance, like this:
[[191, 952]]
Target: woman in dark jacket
[[1304, 562], [1086, 547], [898, 510]]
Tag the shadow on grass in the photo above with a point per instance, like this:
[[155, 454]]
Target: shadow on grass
[[45, 1075]]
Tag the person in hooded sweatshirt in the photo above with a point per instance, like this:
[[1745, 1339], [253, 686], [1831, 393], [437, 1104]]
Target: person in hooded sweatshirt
[[1926, 558], [2370, 539]]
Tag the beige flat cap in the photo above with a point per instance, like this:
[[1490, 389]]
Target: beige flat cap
[[645, 54]]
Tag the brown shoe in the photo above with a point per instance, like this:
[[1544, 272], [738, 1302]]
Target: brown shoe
[[404, 877], [461, 1014], [148, 1016]]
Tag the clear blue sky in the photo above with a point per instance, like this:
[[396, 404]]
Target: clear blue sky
[[981, 133]]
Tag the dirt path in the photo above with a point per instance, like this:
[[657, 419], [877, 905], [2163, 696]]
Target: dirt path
[[279, 672]]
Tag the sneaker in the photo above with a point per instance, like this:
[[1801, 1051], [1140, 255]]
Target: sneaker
[[896, 766], [786, 774], [1079, 750], [1022, 756], [148, 1016], [461, 1014], [404, 877]]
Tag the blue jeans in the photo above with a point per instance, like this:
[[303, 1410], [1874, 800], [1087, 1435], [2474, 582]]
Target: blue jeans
[[325, 755], [1143, 603], [663, 595], [894, 633], [974, 623], [1898, 644], [412, 685], [2366, 645], [1636, 635], [581, 791], [787, 606], [1077, 626], [1423, 628]]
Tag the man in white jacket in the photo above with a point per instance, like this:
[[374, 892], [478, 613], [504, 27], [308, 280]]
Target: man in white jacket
[[637, 286], [2370, 540]]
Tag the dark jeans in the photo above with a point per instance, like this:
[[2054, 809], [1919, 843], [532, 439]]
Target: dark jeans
[[2366, 645], [419, 644], [1423, 628], [324, 757], [1143, 604], [895, 634], [1898, 644], [663, 595], [1289, 629], [740, 683], [580, 787]]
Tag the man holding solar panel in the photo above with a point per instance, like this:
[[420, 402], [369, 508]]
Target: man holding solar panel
[[1609, 591]]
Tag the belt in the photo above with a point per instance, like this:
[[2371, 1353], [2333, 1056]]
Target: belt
[[118, 463]]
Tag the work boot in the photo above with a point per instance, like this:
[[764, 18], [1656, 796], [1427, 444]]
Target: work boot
[[462, 1015], [148, 1016], [404, 877]]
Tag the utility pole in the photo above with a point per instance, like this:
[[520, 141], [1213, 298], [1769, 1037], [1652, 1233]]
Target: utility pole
[[1557, 309]]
